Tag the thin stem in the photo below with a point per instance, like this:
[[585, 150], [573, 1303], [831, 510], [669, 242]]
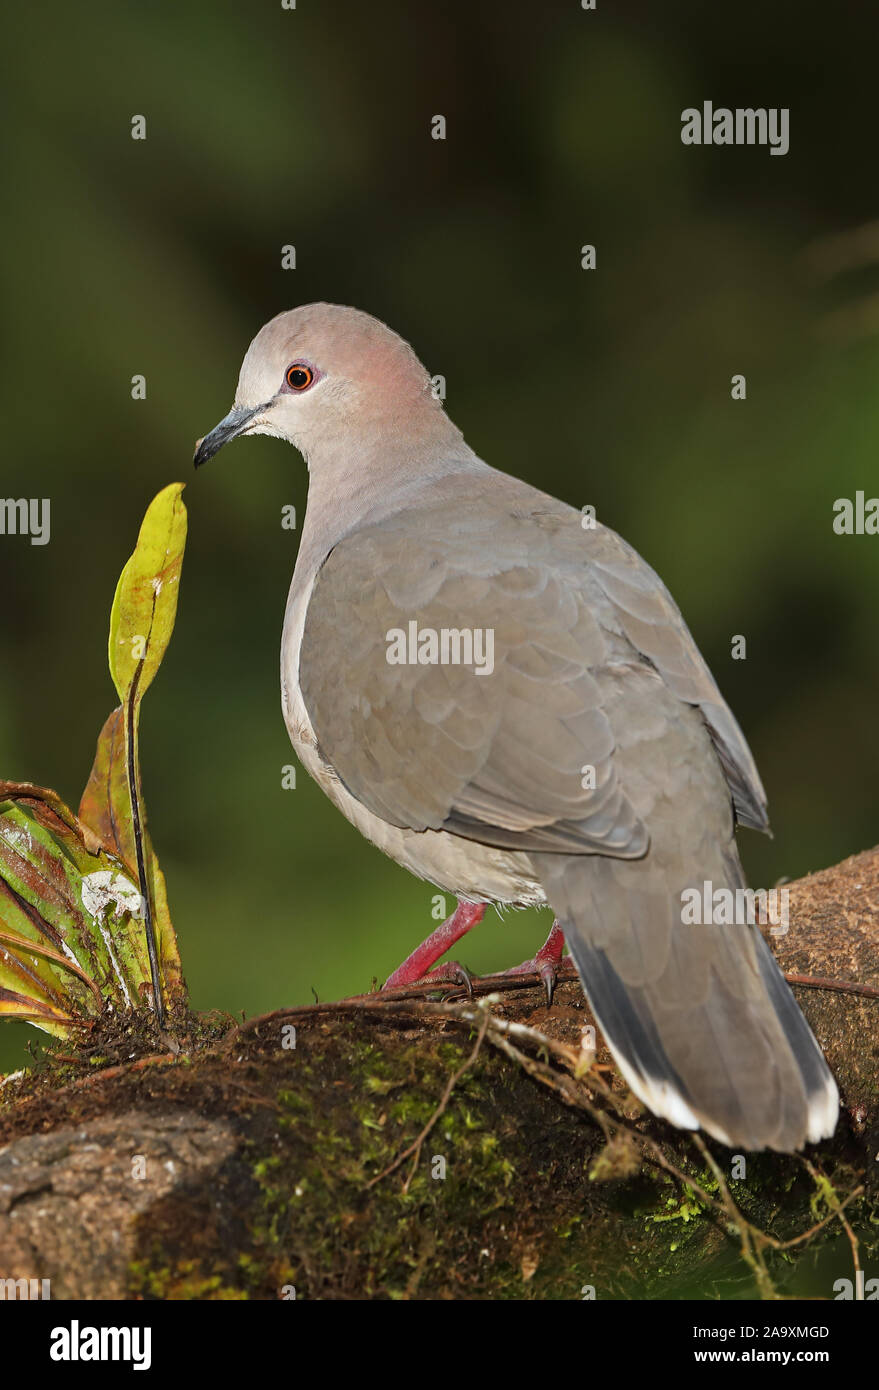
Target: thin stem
[[131, 765]]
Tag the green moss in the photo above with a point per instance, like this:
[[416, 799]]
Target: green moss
[[183, 1283], [497, 1204]]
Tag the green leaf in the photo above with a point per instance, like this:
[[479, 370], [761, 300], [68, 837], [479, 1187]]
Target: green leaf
[[145, 605], [84, 918], [141, 624]]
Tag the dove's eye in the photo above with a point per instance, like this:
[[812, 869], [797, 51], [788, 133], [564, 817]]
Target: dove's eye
[[299, 376]]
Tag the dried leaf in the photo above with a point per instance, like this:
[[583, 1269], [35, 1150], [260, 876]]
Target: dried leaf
[[71, 921], [47, 805], [105, 811], [105, 808]]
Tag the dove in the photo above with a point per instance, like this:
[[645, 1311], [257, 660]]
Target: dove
[[590, 765]]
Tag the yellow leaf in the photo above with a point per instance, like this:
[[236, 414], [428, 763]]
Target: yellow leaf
[[145, 605]]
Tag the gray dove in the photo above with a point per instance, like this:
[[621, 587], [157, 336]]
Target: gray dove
[[508, 703]]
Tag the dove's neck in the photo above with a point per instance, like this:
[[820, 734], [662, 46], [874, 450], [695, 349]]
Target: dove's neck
[[357, 482]]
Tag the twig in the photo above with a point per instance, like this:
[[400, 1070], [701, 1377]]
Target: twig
[[750, 1236], [161, 1059], [500, 983], [797, 1240], [378, 1000], [840, 986]]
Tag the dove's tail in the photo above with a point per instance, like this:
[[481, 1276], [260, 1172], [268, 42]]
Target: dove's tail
[[699, 1018]]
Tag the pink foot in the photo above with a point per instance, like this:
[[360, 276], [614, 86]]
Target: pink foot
[[451, 972], [546, 961], [416, 966]]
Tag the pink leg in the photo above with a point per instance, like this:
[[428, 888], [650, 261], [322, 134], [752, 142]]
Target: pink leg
[[546, 961], [416, 966]]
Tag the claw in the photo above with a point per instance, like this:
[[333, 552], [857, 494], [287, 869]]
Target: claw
[[545, 962], [549, 976], [452, 972]]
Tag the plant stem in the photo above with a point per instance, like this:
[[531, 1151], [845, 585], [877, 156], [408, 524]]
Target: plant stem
[[131, 765]]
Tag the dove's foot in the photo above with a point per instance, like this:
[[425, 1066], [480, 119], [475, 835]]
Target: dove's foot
[[451, 972], [546, 962], [418, 966]]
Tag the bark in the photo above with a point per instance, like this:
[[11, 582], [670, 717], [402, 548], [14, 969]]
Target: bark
[[225, 1162]]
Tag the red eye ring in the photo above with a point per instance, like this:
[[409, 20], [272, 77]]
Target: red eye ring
[[299, 376]]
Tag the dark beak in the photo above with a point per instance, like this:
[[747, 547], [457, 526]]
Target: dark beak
[[235, 423]]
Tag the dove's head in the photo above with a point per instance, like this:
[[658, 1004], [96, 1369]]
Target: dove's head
[[327, 374]]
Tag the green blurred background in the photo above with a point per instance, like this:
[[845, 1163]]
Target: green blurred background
[[312, 127]]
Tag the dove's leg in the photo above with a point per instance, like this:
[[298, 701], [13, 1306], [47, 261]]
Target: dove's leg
[[546, 961], [416, 966]]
